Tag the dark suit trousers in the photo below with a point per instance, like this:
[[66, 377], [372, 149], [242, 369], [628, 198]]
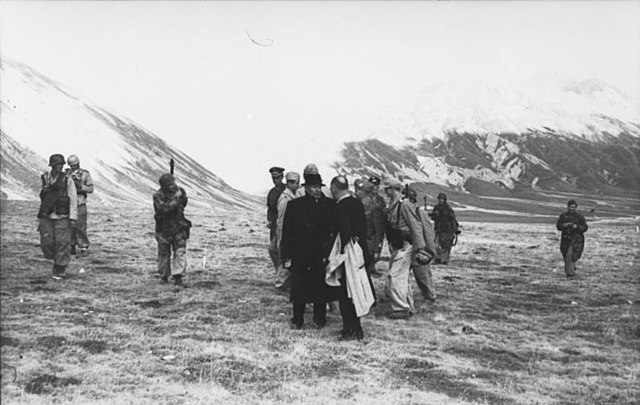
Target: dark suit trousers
[[319, 312], [350, 321]]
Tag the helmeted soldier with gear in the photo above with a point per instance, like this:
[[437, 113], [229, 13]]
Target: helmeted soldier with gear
[[172, 229], [57, 215], [84, 185]]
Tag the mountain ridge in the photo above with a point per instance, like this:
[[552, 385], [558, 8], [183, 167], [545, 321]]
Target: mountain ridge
[[41, 117]]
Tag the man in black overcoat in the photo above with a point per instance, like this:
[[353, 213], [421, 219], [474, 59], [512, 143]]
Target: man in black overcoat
[[350, 223], [305, 246]]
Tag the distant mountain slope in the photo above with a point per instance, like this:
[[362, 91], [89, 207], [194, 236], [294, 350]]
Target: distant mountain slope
[[564, 136], [40, 117]]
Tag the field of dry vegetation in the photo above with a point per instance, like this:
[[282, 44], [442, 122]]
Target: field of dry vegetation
[[507, 327]]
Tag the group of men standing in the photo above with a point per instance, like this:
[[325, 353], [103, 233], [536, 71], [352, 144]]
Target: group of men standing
[[62, 215], [306, 221]]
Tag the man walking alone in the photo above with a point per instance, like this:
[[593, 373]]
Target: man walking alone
[[446, 229], [172, 229], [573, 226]]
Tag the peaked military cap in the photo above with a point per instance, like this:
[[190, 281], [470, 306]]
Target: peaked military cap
[[374, 180]]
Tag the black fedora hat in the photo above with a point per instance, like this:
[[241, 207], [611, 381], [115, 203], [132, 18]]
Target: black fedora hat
[[312, 180]]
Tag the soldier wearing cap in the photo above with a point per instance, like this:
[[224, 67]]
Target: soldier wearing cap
[[172, 229], [446, 228], [375, 194], [272, 212], [57, 215], [84, 185], [292, 191], [406, 239], [374, 219]]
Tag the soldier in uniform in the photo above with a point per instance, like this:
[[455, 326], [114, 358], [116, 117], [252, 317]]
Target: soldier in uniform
[[172, 229], [375, 222], [573, 226], [272, 212], [293, 190], [84, 186], [57, 215], [445, 226], [406, 241]]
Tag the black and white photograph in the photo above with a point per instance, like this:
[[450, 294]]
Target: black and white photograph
[[320, 202]]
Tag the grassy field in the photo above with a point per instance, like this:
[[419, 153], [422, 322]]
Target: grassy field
[[507, 327]]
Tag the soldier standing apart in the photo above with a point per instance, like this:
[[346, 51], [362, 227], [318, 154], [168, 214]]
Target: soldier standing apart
[[172, 229], [375, 222], [349, 224], [446, 229], [305, 246], [283, 275], [573, 226], [406, 240], [57, 215], [272, 212], [375, 195], [84, 185]]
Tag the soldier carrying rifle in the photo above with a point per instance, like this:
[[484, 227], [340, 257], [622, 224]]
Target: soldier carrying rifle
[[172, 229]]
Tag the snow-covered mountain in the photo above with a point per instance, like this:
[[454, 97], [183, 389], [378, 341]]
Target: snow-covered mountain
[[40, 117], [545, 134]]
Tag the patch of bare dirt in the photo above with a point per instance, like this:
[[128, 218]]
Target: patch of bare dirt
[[9, 341], [47, 384]]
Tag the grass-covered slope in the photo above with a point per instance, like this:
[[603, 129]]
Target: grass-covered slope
[[507, 327]]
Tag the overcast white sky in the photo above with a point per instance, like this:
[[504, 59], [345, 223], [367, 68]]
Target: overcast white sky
[[189, 72]]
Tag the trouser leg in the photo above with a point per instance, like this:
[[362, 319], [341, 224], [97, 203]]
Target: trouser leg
[[445, 253], [62, 245], [80, 235], [444, 242], [350, 320], [164, 256], [424, 279], [398, 286], [179, 266], [320, 312], [569, 265], [47, 237], [298, 313], [273, 249]]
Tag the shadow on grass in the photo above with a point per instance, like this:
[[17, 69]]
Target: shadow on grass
[[423, 375], [47, 384]]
